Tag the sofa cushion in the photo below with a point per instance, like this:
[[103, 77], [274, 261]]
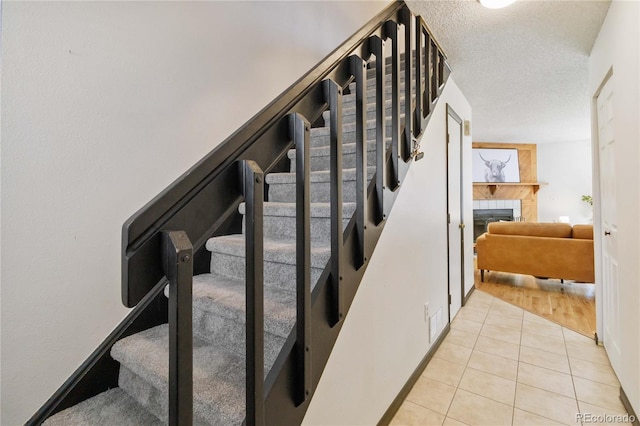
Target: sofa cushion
[[583, 232], [533, 229]]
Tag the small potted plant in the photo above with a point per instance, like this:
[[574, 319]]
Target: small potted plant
[[589, 200]]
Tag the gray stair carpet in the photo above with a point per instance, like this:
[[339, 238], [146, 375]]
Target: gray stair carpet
[[113, 407], [219, 297], [279, 220]]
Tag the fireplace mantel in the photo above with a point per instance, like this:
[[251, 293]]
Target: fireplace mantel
[[535, 186]]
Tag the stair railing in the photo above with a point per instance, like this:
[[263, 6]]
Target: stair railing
[[177, 254], [163, 243], [253, 178]]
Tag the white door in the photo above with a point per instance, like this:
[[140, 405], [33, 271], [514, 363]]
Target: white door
[[454, 200], [609, 224]]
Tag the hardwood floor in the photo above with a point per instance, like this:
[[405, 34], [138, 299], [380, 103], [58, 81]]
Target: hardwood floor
[[571, 304]]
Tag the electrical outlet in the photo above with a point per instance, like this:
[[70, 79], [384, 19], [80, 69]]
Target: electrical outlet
[[426, 312]]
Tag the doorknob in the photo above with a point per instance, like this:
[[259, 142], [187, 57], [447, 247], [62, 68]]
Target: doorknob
[[607, 233], [461, 226]]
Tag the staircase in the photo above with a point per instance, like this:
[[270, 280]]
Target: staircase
[[219, 306]]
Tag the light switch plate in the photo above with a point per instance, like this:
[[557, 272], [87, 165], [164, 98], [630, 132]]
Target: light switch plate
[[433, 327]]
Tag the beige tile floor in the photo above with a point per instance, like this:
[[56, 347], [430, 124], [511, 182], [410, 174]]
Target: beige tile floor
[[501, 365]]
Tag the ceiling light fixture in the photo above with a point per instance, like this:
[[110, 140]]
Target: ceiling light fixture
[[496, 4]]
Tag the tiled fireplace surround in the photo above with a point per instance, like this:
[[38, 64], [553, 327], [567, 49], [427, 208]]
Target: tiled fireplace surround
[[499, 204], [482, 207]]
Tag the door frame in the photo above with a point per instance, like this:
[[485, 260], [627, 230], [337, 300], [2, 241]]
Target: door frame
[[451, 113], [597, 205]]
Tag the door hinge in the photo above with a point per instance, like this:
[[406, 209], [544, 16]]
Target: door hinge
[[448, 138], [449, 299], [448, 217]]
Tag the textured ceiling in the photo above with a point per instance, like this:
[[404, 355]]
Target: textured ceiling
[[524, 69]]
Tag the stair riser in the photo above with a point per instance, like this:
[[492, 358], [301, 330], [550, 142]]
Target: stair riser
[[371, 95], [349, 115], [321, 139], [351, 127], [349, 105], [320, 192], [284, 228], [157, 401], [230, 334], [276, 275], [372, 85], [348, 161], [371, 72]]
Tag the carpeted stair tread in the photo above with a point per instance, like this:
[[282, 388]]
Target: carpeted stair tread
[[225, 297], [320, 210], [219, 315], [346, 128], [280, 221], [348, 114], [282, 186], [315, 177], [371, 67], [218, 376], [322, 138], [325, 151], [372, 87], [110, 408], [320, 156], [274, 251], [349, 100], [372, 81]]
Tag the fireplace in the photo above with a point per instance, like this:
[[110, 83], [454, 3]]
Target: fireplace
[[483, 217]]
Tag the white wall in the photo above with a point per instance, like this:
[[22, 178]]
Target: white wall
[[618, 46], [103, 105], [384, 336], [566, 166]]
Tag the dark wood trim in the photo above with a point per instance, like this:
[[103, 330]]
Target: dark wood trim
[[399, 399], [468, 295], [629, 407]]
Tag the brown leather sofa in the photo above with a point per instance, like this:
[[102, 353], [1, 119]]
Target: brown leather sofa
[[549, 250]]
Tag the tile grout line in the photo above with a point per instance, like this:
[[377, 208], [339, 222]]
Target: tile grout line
[[575, 392], [515, 392]]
